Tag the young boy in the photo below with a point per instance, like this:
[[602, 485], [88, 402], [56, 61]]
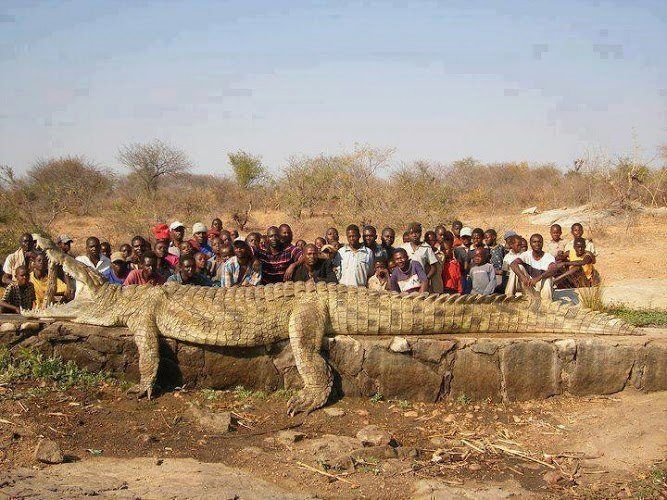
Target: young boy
[[557, 244], [578, 232], [581, 268], [19, 294], [408, 275], [380, 280], [451, 269], [514, 243], [497, 254], [482, 273]]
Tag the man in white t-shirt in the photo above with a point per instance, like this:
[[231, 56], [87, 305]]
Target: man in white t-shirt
[[533, 268], [94, 257]]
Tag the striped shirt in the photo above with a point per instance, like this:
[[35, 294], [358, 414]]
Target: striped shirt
[[275, 265]]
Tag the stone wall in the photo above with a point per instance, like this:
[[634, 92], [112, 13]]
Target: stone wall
[[418, 369]]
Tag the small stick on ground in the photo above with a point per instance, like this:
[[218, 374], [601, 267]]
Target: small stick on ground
[[522, 455], [332, 476]]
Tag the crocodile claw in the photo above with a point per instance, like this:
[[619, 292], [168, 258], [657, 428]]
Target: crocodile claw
[[141, 391], [307, 400]]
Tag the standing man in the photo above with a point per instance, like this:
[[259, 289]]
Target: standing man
[[420, 251], [370, 236], [187, 274], [20, 257], [533, 269], [276, 258], [313, 267], [388, 237], [176, 234], [353, 262], [148, 274], [94, 257]]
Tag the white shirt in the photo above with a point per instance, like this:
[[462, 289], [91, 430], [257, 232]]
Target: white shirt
[[353, 268], [508, 259], [423, 254], [542, 264], [14, 261], [102, 265]]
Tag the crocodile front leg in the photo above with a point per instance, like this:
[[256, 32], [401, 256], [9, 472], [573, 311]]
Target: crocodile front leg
[[306, 332], [146, 337]]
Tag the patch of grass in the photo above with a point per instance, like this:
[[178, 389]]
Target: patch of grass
[[242, 393], [284, 394], [376, 398], [653, 486], [27, 364], [640, 317], [210, 394], [463, 399]]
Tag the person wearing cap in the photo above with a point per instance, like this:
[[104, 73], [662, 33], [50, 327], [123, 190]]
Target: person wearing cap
[[506, 237], [118, 270], [64, 242], [420, 251], [462, 252], [199, 240], [176, 235], [20, 257]]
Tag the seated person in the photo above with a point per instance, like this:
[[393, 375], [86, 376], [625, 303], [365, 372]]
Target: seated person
[[533, 269], [187, 274], [408, 275], [19, 294], [314, 267], [514, 245], [580, 265], [242, 269], [39, 277], [118, 271], [380, 280], [482, 273], [147, 274]]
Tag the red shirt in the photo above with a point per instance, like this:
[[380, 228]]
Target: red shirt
[[136, 277], [451, 276]]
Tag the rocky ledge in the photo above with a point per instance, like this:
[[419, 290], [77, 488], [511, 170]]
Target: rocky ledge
[[418, 369]]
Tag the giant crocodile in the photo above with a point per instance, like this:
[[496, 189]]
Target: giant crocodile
[[301, 312]]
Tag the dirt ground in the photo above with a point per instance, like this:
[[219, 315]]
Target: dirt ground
[[175, 446]]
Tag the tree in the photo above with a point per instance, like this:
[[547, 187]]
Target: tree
[[152, 161], [247, 168]]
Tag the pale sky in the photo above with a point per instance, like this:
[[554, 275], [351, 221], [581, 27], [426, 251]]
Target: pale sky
[[536, 81]]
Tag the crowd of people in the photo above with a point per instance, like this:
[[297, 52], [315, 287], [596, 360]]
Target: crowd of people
[[455, 260]]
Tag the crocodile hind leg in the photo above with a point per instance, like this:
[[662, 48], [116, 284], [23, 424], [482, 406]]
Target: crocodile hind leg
[[146, 334], [306, 332]]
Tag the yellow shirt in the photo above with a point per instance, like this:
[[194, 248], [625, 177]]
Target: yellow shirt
[[41, 285], [588, 269]]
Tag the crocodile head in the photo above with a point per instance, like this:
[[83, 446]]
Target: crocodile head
[[88, 283]]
